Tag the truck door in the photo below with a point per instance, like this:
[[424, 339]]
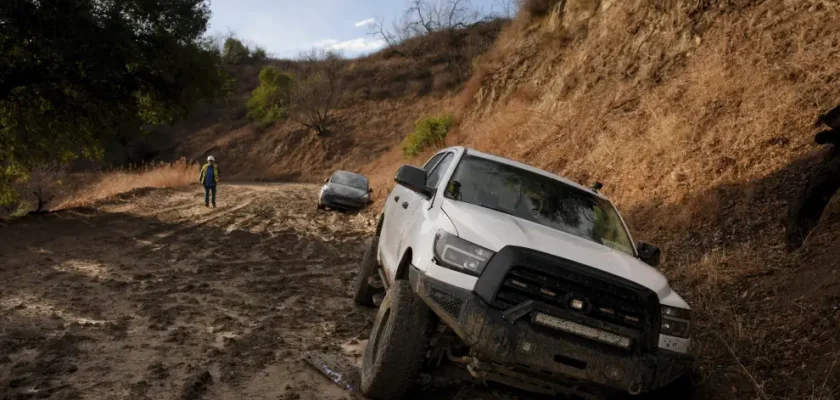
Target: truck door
[[397, 213], [416, 203]]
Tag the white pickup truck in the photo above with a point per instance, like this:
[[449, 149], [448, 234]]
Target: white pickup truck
[[498, 271]]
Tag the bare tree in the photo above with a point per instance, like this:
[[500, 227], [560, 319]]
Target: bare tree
[[392, 37], [424, 17], [427, 16], [317, 92]]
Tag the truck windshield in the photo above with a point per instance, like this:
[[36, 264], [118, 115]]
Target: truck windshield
[[350, 179], [540, 199]]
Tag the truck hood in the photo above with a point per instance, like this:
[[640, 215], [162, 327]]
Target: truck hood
[[495, 230]]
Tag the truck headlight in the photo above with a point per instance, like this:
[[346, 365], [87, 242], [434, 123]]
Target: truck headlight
[[676, 322], [455, 253]]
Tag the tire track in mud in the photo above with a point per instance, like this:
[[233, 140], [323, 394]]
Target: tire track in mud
[[195, 224], [154, 296], [239, 292]]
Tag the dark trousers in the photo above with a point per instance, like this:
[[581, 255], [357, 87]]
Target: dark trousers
[[207, 191]]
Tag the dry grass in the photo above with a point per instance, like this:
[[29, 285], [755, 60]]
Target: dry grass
[[538, 8], [102, 185], [428, 65], [699, 120]]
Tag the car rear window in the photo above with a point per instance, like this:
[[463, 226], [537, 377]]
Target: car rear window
[[350, 179]]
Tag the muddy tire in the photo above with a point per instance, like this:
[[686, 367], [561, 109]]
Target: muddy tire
[[397, 344], [363, 293]]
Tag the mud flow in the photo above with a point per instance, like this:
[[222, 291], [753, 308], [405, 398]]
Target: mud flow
[[153, 296]]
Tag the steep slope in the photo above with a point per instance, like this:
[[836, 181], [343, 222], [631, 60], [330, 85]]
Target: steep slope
[[384, 94], [699, 118]]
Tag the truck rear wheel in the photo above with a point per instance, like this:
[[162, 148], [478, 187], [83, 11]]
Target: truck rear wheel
[[363, 294], [397, 344]]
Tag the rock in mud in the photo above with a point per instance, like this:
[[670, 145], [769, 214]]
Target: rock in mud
[[196, 386]]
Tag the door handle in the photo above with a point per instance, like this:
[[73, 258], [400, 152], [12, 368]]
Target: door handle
[[405, 204], [397, 198]]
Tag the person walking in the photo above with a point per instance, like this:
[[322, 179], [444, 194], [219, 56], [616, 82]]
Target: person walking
[[209, 178]]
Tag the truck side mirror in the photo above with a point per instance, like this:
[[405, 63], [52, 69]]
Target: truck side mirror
[[414, 179], [650, 254], [326, 180]]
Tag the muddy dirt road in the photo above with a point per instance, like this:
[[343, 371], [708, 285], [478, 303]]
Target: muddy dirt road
[[153, 296]]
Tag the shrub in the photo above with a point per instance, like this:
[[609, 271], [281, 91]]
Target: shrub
[[428, 132], [234, 51], [268, 101]]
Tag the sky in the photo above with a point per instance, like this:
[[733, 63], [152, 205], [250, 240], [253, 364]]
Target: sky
[[285, 28]]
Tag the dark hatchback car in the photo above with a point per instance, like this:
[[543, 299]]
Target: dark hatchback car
[[345, 191]]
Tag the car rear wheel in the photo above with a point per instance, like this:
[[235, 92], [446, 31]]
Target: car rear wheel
[[364, 291], [397, 345]]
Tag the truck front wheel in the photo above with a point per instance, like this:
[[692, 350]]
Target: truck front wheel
[[397, 345]]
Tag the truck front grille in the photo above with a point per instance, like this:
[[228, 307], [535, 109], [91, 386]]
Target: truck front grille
[[579, 293]]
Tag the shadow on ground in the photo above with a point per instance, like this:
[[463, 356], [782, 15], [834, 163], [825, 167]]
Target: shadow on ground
[[765, 316]]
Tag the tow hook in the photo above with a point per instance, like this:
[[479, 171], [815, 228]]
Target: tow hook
[[635, 387], [474, 369]]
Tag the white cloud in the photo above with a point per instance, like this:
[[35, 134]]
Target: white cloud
[[366, 22], [358, 45], [326, 43]]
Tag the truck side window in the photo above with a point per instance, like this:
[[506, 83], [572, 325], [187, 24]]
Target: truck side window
[[433, 179], [431, 163]]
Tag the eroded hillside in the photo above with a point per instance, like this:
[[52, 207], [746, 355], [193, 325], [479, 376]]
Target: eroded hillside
[[699, 118], [382, 96]]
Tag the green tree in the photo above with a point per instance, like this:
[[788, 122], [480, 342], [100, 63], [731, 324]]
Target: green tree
[[269, 101], [235, 52], [258, 54], [74, 73]]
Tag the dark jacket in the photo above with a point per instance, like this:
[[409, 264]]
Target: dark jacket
[[209, 174]]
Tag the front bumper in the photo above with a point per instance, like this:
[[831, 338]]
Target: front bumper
[[538, 360], [343, 203]]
